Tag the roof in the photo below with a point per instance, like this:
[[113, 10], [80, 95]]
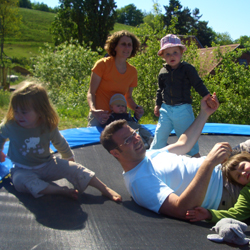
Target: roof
[[187, 40], [207, 60]]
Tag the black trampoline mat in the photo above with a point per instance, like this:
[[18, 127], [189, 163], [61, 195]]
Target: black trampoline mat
[[94, 222]]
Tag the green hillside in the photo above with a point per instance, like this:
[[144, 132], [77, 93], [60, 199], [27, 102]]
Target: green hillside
[[34, 32]]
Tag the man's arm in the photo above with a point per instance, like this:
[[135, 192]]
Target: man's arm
[[194, 194], [191, 135]]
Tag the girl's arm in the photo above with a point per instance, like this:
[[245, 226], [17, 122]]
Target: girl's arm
[[2, 156], [62, 146], [240, 211]]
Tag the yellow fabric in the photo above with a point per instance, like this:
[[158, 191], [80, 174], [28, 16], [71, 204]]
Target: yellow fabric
[[112, 81]]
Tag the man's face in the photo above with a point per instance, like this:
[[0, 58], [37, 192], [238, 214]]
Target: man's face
[[130, 144]]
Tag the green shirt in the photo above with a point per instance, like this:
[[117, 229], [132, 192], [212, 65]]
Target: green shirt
[[240, 211]]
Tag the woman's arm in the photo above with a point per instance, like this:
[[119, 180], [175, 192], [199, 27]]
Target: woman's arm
[[101, 115], [94, 84]]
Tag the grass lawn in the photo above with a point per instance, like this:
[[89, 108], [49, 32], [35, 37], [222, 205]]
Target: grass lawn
[[22, 49]]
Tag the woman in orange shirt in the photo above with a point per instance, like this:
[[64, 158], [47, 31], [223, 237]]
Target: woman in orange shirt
[[111, 75]]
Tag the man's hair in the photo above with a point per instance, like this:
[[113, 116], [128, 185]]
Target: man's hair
[[113, 40], [232, 164], [108, 132]]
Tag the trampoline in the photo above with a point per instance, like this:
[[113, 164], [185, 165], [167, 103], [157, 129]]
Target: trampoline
[[95, 222]]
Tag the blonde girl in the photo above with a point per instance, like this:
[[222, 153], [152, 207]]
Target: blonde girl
[[30, 124]]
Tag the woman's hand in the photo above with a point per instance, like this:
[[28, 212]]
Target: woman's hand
[[101, 115]]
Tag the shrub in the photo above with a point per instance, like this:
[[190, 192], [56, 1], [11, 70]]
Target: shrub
[[66, 71], [4, 98]]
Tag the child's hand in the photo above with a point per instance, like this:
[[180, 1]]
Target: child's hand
[[197, 214], [157, 110], [2, 156], [211, 102]]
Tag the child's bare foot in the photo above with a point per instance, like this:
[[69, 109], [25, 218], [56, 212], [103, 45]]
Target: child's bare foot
[[106, 191], [111, 194], [70, 192], [52, 189]]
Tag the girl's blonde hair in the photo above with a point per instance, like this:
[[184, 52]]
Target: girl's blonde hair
[[33, 94], [232, 164]]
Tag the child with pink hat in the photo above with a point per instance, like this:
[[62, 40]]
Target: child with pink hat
[[173, 98]]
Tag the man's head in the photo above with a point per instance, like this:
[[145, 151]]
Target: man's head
[[118, 104], [123, 143]]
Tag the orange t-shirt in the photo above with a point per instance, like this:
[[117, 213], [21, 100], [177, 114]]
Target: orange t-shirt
[[112, 81]]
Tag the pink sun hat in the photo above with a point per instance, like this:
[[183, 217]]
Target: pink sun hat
[[170, 41]]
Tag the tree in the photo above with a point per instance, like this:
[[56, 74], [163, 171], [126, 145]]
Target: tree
[[25, 4], [63, 28], [243, 40], [9, 25], [129, 15], [205, 34], [90, 20], [223, 38], [188, 23], [40, 6], [9, 21], [185, 20]]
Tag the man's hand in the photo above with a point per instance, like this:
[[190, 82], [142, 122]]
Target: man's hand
[[207, 99], [197, 214], [219, 153]]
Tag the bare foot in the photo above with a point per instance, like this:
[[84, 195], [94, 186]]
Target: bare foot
[[111, 194], [70, 192], [106, 191], [53, 189]]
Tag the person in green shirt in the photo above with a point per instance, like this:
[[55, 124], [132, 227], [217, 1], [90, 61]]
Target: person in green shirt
[[237, 171]]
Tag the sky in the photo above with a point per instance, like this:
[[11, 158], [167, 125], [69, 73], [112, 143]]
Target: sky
[[222, 15]]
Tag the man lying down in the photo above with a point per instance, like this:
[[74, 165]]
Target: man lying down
[[164, 180]]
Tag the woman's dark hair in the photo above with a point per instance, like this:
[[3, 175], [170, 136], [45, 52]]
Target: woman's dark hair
[[113, 40]]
